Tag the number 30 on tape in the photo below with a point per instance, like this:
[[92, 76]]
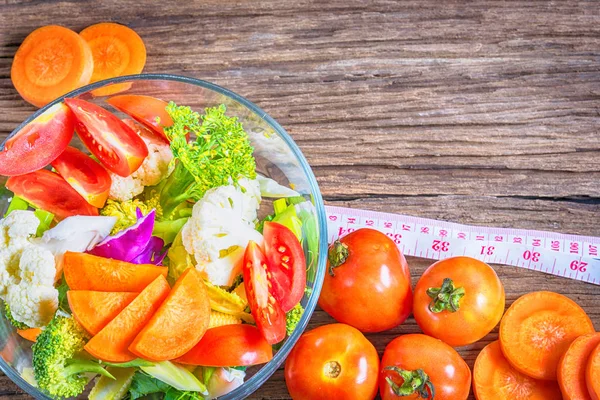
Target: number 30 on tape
[[571, 256]]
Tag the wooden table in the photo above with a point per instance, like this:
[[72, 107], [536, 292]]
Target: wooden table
[[483, 113]]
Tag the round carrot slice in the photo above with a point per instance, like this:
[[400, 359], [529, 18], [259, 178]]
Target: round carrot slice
[[495, 379], [179, 323], [538, 328], [117, 51], [50, 62], [572, 365], [592, 374]]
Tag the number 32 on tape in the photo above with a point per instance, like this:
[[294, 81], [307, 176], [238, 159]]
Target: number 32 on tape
[[571, 256]]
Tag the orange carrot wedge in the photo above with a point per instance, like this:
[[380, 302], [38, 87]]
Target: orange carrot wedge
[[179, 323], [117, 51], [592, 374], [30, 334], [87, 272], [50, 62], [111, 343], [571, 368], [537, 329], [93, 310]]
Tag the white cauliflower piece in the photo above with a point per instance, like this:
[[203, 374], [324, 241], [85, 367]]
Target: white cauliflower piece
[[27, 271], [15, 231], [34, 300], [220, 228], [20, 224], [154, 168]]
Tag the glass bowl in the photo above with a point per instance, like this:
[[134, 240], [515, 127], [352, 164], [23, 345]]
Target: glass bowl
[[277, 157]]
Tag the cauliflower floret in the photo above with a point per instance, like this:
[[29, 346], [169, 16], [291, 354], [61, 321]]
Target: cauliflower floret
[[27, 271], [20, 224], [34, 300], [220, 228], [32, 305], [154, 168], [37, 266], [15, 231]]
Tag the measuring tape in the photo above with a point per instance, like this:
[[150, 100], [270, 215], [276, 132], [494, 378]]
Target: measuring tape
[[570, 256]]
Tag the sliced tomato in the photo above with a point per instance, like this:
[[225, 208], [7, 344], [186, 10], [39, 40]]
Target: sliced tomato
[[147, 110], [227, 345], [39, 142], [85, 175], [108, 138], [287, 264], [50, 192], [269, 317]]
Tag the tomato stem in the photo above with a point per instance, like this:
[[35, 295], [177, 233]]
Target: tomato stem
[[414, 382], [338, 253], [333, 369], [446, 297]]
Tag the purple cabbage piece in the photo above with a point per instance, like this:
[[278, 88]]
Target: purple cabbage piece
[[151, 253], [134, 243]]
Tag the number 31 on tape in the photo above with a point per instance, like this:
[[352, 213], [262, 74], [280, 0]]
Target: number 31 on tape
[[575, 257]]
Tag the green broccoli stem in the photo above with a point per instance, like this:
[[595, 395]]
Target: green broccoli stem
[[179, 187], [78, 366]]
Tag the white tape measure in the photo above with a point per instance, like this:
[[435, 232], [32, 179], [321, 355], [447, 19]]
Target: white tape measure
[[571, 256]]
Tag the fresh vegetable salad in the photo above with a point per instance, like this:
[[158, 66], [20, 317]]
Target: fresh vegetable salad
[[143, 268]]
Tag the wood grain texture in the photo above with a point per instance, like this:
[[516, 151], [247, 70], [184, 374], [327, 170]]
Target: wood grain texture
[[482, 112]]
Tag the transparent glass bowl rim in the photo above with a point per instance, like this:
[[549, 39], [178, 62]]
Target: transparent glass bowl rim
[[266, 371]]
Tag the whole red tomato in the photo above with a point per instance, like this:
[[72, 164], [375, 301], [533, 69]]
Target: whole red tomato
[[421, 367], [332, 362], [458, 300], [368, 282]]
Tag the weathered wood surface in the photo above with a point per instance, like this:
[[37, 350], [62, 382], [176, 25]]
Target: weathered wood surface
[[478, 112]]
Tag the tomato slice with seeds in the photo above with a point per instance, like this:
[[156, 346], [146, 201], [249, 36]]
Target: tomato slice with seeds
[[148, 111], [108, 138], [85, 175], [287, 264], [39, 142], [50, 192], [267, 312]]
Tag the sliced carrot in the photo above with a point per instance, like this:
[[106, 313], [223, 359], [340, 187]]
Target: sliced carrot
[[50, 62], [117, 51], [30, 334], [571, 368], [87, 272], [538, 328], [592, 374], [495, 379], [179, 323], [111, 343], [93, 310]]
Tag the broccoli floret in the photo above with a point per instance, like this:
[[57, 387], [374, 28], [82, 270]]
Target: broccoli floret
[[13, 322], [56, 367], [220, 154], [125, 211], [292, 318]]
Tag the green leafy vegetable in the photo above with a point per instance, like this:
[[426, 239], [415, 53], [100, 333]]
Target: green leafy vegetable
[[138, 362], [220, 154], [16, 203], [113, 389], [63, 302], [45, 218], [175, 376]]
